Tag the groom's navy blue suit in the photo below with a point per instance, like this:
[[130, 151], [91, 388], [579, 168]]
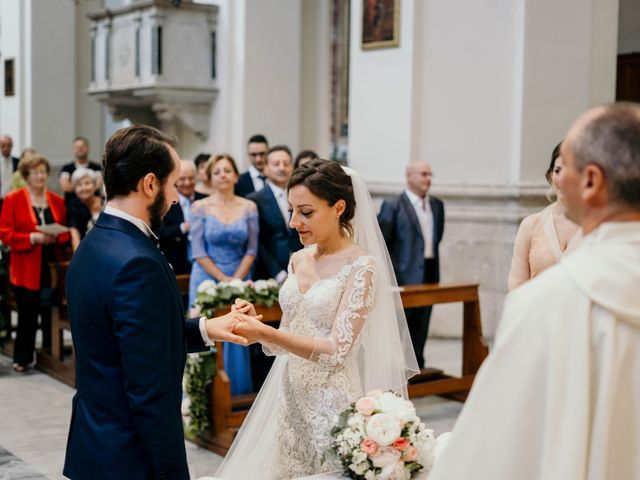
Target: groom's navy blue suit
[[130, 341]]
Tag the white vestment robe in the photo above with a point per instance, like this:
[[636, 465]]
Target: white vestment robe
[[559, 395]]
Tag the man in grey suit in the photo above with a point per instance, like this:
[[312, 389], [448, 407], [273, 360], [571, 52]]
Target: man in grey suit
[[412, 225]]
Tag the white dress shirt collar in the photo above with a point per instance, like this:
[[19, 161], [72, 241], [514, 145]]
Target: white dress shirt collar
[[415, 199], [144, 228]]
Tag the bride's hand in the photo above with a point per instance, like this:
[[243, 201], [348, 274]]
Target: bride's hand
[[249, 327], [242, 306]]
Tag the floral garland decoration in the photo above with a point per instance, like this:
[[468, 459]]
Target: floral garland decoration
[[201, 367]]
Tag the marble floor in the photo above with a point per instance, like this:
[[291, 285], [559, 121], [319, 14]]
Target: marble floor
[[35, 410]]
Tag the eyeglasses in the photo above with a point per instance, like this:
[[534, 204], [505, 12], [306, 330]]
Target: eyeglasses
[[258, 154], [38, 172]]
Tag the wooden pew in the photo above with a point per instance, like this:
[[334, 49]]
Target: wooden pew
[[60, 363], [228, 412]]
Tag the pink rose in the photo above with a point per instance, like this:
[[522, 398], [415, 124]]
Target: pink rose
[[401, 444], [410, 454], [365, 406], [368, 446]]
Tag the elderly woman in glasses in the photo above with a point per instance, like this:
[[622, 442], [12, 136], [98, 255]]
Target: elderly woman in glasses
[[85, 209], [24, 213]]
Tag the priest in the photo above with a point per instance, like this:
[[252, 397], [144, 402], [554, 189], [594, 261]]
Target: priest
[[559, 396]]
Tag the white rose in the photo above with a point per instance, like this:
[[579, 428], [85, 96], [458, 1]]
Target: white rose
[[359, 468], [391, 404], [383, 429], [428, 449], [260, 286], [385, 457], [206, 285], [370, 475], [211, 291], [237, 283], [272, 283], [358, 456]]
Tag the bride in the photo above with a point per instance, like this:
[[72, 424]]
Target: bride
[[342, 334]]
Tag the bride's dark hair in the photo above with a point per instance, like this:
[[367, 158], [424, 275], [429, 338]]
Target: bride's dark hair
[[327, 180]]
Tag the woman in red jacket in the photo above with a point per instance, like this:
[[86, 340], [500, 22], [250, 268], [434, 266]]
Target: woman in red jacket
[[31, 252]]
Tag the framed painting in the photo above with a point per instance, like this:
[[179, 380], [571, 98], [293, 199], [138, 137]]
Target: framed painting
[[380, 24]]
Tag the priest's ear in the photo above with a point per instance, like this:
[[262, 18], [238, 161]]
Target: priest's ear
[[595, 190]]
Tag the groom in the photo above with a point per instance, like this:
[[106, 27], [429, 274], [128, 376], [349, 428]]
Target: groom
[[126, 315]]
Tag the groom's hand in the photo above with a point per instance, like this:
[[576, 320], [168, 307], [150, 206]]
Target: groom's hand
[[222, 329]]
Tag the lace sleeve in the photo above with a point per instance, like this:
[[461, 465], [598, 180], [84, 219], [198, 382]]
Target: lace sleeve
[[271, 349], [351, 316]]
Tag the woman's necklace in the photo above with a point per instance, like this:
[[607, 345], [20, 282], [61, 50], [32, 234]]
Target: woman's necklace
[[39, 203]]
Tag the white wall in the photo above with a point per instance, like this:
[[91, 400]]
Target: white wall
[[629, 26], [466, 89], [569, 66], [315, 103], [273, 70], [12, 46], [380, 100], [53, 80]]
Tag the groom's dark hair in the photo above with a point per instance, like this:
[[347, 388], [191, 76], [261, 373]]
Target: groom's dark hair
[[133, 152]]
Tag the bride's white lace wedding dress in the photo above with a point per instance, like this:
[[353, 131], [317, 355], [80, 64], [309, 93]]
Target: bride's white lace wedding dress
[[332, 310], [348, 305]]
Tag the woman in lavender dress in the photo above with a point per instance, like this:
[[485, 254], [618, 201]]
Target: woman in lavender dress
[[224, 243]]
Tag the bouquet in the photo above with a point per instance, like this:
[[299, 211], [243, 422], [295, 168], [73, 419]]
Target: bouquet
[[381, 437], [211, 295]]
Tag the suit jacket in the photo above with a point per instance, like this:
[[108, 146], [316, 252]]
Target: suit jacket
[[244, 187], [173, 242], [17, 222], [130, 343], [403, 236], [276, 241], [14, 162]]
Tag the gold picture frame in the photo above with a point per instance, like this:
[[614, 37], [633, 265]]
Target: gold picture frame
[[380, 24]]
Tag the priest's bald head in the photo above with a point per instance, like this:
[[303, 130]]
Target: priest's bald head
[[601, 176]]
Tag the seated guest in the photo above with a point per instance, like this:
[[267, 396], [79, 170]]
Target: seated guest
[[176, 225], [224, 240], [203, 183], [31, 252], [81, 159], [545, 236], [85, 209], [8, 164], [253, 179], [303, 157], [277, 241], [17, 180]]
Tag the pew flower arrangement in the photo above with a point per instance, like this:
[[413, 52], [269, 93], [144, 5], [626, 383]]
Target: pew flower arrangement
[[211, 295], [201, 367], [380, 437]]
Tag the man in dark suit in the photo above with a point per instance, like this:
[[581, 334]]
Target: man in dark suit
[[176, 224], [8, 164], [276, 241], [412, 225], [126, 315], [253, 180]]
